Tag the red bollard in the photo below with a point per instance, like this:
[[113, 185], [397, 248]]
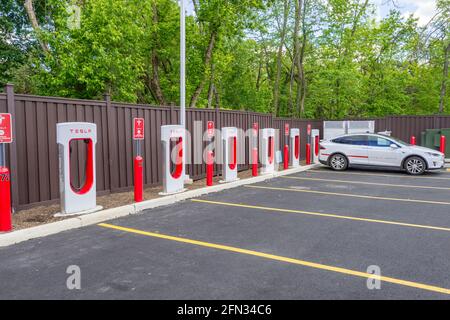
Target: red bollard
[[308, 153], [316, 145], [413, 140], [138, 179], [255, 162], [5, 203], [286, 157], [209, 168], [442, 146]]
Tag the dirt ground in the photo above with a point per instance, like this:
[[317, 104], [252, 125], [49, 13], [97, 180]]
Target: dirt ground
[[45, 214]]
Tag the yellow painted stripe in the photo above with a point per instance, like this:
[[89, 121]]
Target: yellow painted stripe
[[377, 174], [304, 263], [350, 195], [327, 215], [366, 183]]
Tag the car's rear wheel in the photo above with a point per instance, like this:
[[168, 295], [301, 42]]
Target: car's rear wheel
[[415, 166], [338, 162]]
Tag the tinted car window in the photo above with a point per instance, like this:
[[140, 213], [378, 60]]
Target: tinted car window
[[379, 142], [353, 140]]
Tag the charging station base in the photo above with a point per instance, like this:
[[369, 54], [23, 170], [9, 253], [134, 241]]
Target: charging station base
[[223, 181], [170, 193], [60, 214]]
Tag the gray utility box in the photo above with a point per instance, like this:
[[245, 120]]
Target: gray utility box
[[333, 129]]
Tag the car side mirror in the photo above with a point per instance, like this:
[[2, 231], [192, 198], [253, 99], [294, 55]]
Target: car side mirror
[[394, 146]]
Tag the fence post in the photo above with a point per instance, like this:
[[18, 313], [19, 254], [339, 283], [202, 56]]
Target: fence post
[[111, 134], [218, 124], [10, 101], [173, 118], [436, 122]]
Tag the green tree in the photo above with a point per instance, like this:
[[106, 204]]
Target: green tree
[[321, 58]]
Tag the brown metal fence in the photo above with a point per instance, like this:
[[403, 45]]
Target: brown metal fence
[[33, 156], [403, 127]]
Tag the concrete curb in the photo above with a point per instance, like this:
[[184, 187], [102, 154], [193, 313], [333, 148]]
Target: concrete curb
[[15, 237]]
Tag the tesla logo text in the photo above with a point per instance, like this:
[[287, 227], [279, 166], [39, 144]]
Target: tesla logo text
[[80, 131]]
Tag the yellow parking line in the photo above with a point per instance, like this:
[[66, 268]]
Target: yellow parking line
[[304, 263], [378, 174], [349, 195], [319, 214], [366, 183]]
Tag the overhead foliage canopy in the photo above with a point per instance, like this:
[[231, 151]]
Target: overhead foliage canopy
[[302, 58]]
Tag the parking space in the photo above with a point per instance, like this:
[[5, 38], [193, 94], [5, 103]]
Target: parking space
[[438, 179], [308, 235]]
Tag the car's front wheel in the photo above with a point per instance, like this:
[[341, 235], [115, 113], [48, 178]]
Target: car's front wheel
[[338, 162], [415, 166]]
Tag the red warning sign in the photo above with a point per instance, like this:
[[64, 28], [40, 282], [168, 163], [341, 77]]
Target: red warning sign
[[5, 128], [138, 129], [286, 129], [210, 126]]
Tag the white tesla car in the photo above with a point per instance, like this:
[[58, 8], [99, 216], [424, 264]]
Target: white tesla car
[[375, 150]]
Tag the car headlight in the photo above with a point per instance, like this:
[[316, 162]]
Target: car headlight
[[434, 154]]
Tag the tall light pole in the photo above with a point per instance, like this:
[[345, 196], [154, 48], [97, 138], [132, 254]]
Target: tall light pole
[[183, 79], [183, 63]]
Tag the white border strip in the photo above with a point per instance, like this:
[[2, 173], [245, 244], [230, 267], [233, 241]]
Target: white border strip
[[18, 236]]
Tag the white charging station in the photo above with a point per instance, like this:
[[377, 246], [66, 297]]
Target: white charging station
[[172, 141], [267, 150], [315, 139], [229, 154], [294, 147], [75, 200]]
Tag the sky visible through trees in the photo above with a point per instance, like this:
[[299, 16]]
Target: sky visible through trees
[[294, 58]]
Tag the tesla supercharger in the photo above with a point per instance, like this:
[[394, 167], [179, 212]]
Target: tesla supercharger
[[82, 199], [229, 154], [315, 139], [268, 150], [294, 147], [172, 140]]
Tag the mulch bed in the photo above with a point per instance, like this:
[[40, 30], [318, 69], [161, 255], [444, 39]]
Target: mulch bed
[[45, 214]]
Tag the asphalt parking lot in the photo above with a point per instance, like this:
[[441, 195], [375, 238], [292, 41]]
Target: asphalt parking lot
[[311, 235]]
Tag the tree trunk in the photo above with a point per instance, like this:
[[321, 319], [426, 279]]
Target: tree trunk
[[217, 98], [276, 86], [258, 79], [207, 62], [357, 18], [268, 69], [291, 85], [297, 53], [196, 7], [301, 106], [28, 4], [154, 81], [444, 80], [211, 87], [210, 95]]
